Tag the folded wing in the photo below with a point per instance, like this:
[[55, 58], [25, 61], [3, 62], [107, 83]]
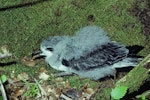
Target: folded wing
[[104, 55]]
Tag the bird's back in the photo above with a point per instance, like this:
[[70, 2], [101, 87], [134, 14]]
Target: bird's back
[[85, 40]]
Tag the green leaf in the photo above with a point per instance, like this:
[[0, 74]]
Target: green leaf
[[118, 92], [143, 97], [3, 78], [1, 98]]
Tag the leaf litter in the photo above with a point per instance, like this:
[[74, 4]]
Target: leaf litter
[[45, 86], [23, 87]]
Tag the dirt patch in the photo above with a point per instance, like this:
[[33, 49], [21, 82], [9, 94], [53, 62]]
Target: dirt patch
[[141, 9]]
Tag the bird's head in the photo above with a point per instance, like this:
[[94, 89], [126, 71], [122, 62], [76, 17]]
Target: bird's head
[[47, 46]]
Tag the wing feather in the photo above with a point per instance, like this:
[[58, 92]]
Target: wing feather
[[107, 54]]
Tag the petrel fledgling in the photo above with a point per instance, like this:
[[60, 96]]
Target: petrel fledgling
[[89, 53]]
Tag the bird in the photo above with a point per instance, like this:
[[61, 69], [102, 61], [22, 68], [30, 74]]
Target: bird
[[89, 53]]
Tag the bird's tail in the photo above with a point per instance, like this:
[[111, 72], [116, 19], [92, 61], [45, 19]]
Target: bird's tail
[[133, 50], [127, 62], [132, 59]]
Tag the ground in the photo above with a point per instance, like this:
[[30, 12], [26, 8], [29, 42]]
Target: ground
[[25, 23]]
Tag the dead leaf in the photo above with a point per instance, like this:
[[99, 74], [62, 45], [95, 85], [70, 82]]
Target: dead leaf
[[23, 76], [44, 76], [85, 96], [53, 97], [89, 91], [85, 86], [59, 79], [49, 88], [42, 69], [28, 62], [13, 98], [18, 92], [67, 84]]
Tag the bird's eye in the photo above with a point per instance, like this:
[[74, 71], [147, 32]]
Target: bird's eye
[[65, 62], [50, 49]]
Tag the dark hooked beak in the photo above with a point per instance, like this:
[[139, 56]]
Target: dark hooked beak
[[36, 54]]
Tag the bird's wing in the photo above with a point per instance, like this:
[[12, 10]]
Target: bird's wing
[[84, 41], [107, 54]]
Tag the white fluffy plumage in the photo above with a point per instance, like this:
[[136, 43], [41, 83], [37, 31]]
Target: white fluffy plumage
[[89, 53]]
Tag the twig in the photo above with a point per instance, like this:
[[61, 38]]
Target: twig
[[43, 93], [65, 97], [3, 91], [146, 94]]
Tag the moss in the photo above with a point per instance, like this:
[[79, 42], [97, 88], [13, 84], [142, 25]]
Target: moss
[[136, 77]]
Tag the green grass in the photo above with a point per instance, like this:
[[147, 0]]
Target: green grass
[[23, 29]]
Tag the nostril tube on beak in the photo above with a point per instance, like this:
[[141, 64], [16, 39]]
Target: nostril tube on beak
[[37, 52]]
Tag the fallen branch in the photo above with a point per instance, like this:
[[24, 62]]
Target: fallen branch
[[136, 77]]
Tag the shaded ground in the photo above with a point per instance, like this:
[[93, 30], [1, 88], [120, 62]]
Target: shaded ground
[[141, 9]]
